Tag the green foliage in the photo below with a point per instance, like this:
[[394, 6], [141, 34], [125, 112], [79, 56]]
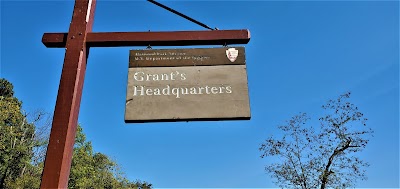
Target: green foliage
[[322, 157], [29, 180], [16, 136], [96, 170], [6, 88], [22, 148]]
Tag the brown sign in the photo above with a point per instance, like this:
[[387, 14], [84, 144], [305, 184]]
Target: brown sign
[[187, 84]]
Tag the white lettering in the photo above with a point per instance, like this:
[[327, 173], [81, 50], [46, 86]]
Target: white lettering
[[157, 91], [155, 77], [193, 90], [138, 76], [149, 92], [164, 77], [201, 90], [185, 91], [183, 76], [208, 92], [166, 91], [175, 91], [228, 89], [135, 91], [148, 77], [214, 90]]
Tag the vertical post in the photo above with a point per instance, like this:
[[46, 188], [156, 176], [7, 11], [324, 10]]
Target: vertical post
[[62, 137]]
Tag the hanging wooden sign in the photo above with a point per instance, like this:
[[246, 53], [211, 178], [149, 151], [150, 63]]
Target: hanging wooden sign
[[187, 84]]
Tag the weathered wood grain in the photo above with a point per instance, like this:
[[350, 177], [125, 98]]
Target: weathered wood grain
[[228, 100]]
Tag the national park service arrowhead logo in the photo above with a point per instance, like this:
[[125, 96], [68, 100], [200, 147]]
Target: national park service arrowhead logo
[[232, 54]]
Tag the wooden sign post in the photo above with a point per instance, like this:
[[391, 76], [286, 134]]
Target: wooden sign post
[[77, 42]]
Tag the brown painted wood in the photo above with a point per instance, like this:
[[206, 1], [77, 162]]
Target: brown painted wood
[[184, 57], [62, 137], [170, 38]]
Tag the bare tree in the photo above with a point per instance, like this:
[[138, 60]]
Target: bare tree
[[42, 121], [323, 156]]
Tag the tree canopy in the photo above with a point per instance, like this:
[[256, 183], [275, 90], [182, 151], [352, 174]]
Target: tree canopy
[[23, 145], [16, 136], [96, 170], [325, 156]]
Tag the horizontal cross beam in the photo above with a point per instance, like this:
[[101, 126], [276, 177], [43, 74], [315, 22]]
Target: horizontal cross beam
[[175, 38]]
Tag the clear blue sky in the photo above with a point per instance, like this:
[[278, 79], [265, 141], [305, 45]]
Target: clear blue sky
[[301, 54]]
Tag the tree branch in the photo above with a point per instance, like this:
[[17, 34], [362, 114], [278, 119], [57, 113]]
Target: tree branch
[[326, 172]]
